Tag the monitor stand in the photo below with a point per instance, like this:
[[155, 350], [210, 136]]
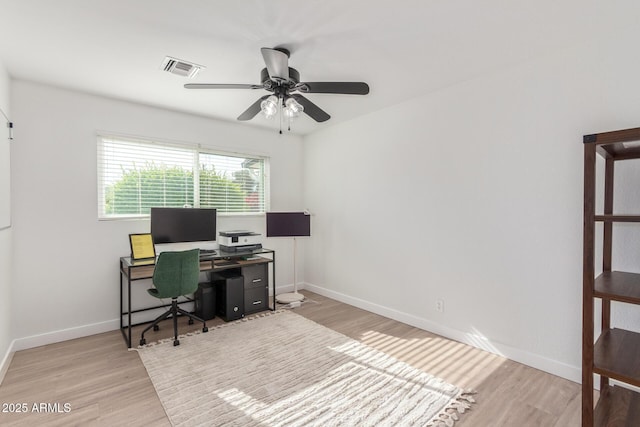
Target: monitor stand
[[295, 296]]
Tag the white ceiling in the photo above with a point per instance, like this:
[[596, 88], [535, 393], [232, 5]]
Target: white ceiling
[[401, 48]]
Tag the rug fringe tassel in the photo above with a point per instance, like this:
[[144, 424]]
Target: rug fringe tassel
[[449, 415]]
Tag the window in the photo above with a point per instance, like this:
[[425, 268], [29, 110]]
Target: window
[[135, 175]]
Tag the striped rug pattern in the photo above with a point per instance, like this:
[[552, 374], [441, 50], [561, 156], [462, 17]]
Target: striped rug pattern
[[281, 369]]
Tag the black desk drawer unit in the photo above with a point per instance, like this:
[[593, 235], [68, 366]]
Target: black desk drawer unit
[[256, 288]]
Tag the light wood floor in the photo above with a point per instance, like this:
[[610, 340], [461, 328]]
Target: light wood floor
[[107, 385]]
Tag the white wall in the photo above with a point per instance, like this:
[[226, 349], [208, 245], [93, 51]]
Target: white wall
[[65, 260], [473, 195], [5, 230]]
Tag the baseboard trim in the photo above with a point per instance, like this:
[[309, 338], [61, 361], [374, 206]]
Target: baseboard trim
[[77, 332], [64, 335], [6, 361], [569, 372]]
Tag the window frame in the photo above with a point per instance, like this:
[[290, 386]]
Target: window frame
[[197, 149]]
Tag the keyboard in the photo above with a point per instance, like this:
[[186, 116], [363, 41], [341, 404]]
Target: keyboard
[[224, 263], [207, 252]]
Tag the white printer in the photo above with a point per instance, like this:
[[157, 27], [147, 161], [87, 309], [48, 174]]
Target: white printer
[[239, 240]]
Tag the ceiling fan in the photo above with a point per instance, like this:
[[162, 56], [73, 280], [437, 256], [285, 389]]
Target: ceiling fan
[[286, 87]]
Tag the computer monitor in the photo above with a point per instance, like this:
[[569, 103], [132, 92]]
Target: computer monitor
[[174, 225], [288, 224]]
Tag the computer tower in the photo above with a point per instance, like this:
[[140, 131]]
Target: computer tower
[[230, 297], [205, 301]]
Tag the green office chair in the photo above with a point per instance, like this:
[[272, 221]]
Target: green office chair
[[175, 274]]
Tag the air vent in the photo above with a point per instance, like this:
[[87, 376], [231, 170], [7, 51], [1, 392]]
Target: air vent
[[180, 67]]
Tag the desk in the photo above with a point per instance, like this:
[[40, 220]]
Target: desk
[[131, 271]]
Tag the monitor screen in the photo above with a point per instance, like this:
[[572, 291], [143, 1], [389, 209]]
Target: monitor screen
[[288, 224], [173, 225]]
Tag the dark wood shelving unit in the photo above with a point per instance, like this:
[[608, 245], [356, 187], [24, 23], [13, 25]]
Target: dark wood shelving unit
[[616, 352]]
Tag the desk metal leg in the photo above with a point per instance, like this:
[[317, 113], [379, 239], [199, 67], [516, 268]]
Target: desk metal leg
[[125, 335], [121, 302], [273, 265], [129, 307]]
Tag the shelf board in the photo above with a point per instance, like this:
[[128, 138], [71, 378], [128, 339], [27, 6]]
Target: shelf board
[[617, 355], [618, 406], [618, 145], [617, 218], [619, 152], [618, 286]]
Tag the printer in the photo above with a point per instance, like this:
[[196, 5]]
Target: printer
[[239, 240]]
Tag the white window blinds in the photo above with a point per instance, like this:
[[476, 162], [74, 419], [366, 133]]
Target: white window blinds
[[235, 183], [134, 176]]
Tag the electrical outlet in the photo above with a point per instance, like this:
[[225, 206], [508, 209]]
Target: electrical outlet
[[440, 306]]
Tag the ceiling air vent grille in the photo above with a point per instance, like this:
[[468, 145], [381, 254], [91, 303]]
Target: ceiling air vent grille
[[180, 67]]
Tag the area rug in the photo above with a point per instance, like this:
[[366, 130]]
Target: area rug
[[281, 369]]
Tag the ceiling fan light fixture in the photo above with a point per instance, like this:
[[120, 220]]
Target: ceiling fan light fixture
[[269, 106], [292, 108]]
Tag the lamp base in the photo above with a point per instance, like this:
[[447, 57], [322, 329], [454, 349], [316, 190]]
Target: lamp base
[[289, 297]]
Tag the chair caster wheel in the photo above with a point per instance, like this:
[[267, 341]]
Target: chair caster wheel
[[156, 327], [176, 342], [191, 321], [143, 341], [205, 329]]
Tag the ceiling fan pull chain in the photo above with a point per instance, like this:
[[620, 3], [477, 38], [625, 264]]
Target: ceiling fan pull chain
[[280, 115]]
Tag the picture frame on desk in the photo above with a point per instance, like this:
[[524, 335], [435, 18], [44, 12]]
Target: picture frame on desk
[[142, 246]]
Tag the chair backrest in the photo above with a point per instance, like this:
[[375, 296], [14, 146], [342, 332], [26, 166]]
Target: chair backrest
[[176, 273]]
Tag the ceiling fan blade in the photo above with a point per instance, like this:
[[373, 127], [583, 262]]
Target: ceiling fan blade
[[254, 109], [277, 63], [311, 109], [349, 88], [221, 86]]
